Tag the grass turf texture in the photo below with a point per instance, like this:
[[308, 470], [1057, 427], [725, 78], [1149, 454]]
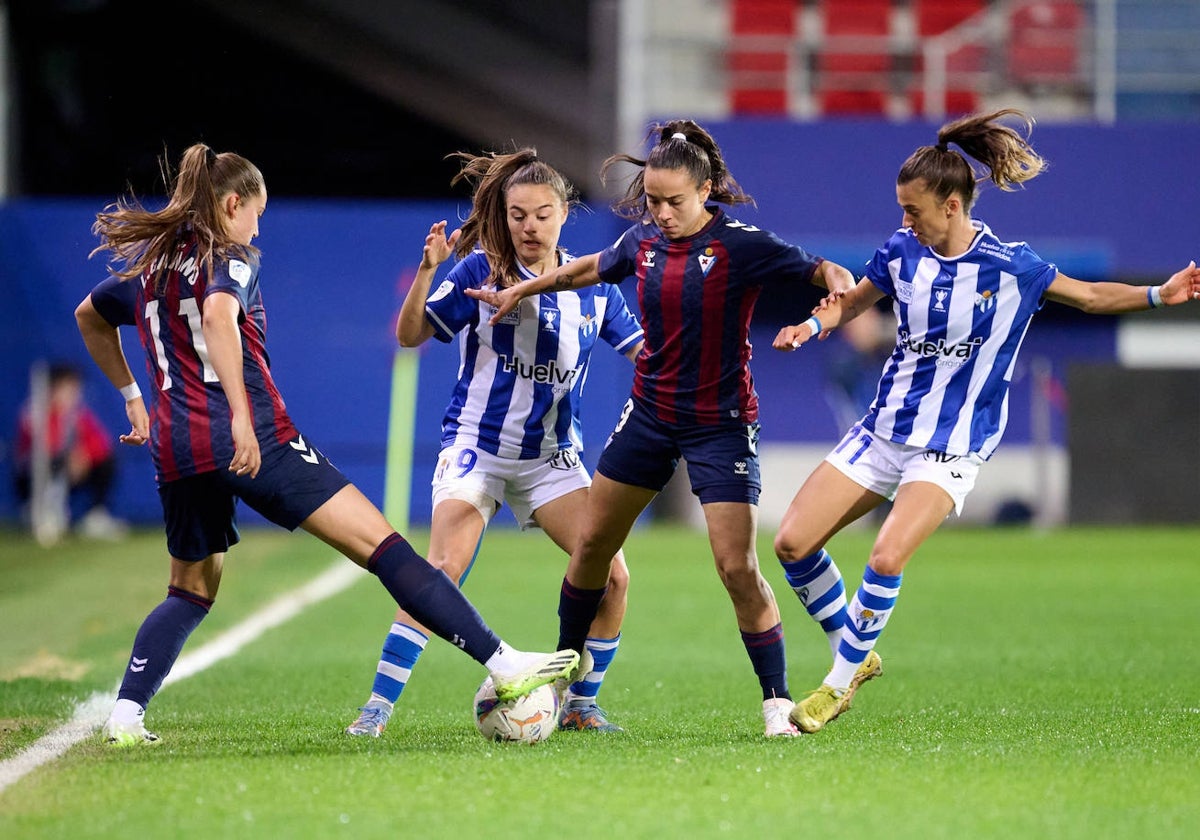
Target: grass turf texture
[[1034, 684]]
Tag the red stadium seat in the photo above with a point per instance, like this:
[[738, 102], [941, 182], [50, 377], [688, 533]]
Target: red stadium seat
[[856, 17], [1044, 43], [933, 17], [761, 34], [959, 101], [853, 65]]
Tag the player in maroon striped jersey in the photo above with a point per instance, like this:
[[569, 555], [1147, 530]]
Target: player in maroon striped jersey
[[699, 273], [188, 276]]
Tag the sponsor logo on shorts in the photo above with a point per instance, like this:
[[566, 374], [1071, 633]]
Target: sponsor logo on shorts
[[564, 459]]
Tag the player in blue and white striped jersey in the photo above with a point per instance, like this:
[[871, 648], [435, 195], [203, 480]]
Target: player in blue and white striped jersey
[[511, 432], [963, 300]]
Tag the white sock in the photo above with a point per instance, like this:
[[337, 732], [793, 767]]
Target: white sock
[[127, 711], [505, 660]]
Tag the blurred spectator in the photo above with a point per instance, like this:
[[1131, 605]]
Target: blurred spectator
[[79, 462], [862, 346]]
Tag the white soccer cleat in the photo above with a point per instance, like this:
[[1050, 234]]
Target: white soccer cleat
[[775, 718]]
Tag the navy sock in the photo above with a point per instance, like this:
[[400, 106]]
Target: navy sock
[[769, 660], [430, 597], [158, 642], [577, 610]]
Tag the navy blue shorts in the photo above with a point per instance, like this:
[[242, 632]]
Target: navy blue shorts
[[722, 461], [200, 511]]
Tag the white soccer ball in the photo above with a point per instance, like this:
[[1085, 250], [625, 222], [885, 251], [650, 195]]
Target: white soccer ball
[[528, 719]]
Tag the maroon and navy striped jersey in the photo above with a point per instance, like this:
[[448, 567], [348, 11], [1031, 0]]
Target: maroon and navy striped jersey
[[190, 429], [696, 297]]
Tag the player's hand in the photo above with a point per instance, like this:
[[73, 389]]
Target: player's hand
[[1183, 286], [437, 247], [139, 423], [792, 337], [504, 300], [247, 458]]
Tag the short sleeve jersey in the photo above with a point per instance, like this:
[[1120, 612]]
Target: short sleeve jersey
[[190, 429], [697, 298], [961, 321], [520, 382]]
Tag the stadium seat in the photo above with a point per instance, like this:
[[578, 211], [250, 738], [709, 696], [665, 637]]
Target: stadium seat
[[854, 65], [758, 55], [1044, 43], [959, 101], [933, 17]]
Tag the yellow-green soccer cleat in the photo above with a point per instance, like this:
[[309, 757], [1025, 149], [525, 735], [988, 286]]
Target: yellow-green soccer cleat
[[122, 735], [825, 704], [817, 709], [562, 685], [870, 668], [543, 669]]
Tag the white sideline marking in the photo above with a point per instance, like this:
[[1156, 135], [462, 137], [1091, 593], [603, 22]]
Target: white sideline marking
[[92, 712]]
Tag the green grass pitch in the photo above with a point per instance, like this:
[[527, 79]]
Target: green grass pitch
[[1035, 685]]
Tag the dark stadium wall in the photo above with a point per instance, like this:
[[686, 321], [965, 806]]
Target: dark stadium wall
[[333, 275]]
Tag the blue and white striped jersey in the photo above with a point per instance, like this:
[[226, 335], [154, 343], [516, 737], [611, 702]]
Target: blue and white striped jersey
[[520, 382], [960, 323]]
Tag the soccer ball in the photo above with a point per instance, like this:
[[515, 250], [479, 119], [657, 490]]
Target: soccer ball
[[528, 719]]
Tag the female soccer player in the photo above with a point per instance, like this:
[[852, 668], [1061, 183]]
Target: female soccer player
[[511, 432], [699, 274], [188, 277], [963, 299]]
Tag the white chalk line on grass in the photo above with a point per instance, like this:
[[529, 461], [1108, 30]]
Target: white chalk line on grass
[[92, 712]]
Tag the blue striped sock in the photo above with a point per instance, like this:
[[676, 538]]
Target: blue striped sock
[[401, 649], [868, 615], [818, 584], [603, 651]]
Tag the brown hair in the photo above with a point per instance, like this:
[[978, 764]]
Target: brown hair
[[141, 240], [1006, 153], [491, 175], [697, 152]]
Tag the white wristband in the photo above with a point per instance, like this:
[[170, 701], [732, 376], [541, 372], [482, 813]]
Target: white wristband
[[813, 324], [1154, 296], [131, 391]]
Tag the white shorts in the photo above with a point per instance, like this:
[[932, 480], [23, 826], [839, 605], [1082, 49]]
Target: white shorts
[[882, 466], [487, 481]]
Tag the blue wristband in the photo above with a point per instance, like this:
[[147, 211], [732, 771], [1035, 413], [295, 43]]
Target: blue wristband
[[814, 324]]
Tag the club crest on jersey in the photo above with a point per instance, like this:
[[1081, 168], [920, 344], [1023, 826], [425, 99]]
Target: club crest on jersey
[[985, 300], [587, 327], [706, 261], [648, 258], [939, 296], [549, 316]]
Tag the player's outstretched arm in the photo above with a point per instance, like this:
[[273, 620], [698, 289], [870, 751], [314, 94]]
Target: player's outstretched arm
[[1109, 298], [573, 275]]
